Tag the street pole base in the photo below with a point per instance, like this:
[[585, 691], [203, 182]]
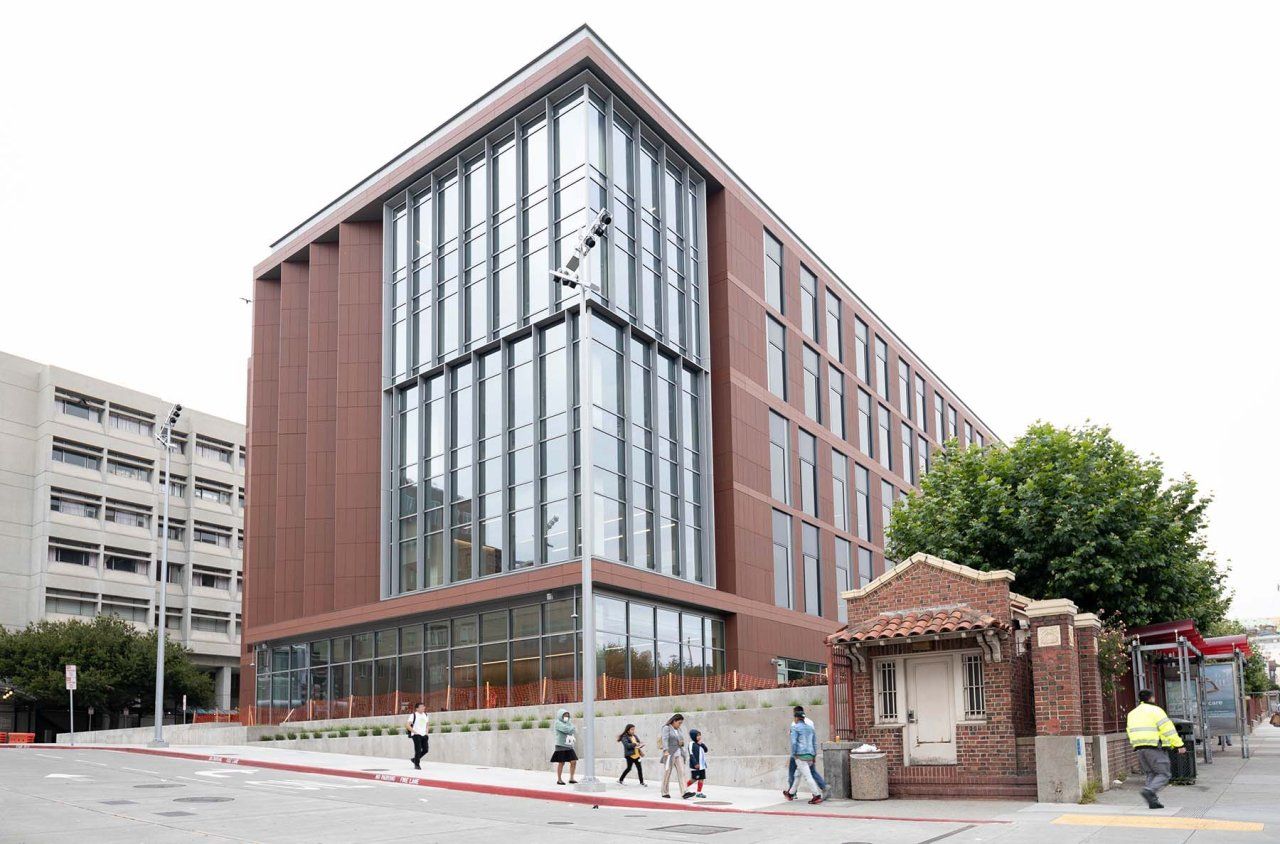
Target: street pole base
[[157, 743], [589, 784]]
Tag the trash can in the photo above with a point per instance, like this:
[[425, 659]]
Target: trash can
[[1182, 766], [869, 776]]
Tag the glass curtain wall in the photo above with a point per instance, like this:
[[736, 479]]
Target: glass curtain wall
[[515, 656], [483, 421]]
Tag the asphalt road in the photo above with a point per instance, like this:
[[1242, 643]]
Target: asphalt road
[[105, 797]]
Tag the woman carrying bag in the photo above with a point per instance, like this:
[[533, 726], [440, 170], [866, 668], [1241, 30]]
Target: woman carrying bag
[[631, 753], [673, 754], [563, 734]]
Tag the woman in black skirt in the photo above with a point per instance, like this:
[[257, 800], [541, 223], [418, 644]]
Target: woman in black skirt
[[563, 734]]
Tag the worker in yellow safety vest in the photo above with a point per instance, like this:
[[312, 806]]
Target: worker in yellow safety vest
[[1150, 732]]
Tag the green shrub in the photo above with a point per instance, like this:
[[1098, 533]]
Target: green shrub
[[362, 732], [1089, 794], [377, 731], [266, 738], [577, 715], [818, 701], [446, 728], [344, 733], [280, 736], [473, 720], [766, 705], [484, 726], [721, 708], [742, 706], [291, 736], [465, 728], [504, 725], [526, 725], [699, 709], [545, 724], [793, 703]]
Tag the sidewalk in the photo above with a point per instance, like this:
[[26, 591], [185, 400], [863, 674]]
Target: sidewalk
[[541, 786]]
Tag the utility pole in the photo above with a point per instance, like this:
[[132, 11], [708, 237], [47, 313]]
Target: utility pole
[[165, 438], [569, 277]]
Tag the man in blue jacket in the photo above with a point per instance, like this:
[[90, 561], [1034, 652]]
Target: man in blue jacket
[[804, 749]]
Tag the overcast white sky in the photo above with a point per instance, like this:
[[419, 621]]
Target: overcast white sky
[[1070, 210]]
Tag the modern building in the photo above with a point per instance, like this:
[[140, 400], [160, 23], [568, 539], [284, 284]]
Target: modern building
[[414, 424], [81, 491]]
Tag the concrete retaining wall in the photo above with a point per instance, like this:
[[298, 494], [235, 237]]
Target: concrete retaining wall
[[748, 745]]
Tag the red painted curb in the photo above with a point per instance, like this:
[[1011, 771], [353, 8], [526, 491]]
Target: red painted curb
[[503, 790]]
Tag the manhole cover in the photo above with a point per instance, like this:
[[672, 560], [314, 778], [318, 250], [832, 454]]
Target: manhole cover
[[560, 823], [174, 814], [695, 829], [118, 802], [203, 799], [160, 785]]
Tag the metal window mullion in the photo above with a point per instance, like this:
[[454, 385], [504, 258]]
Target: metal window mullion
[[490, 239], [535, 340], [460, 250], [421, 530], [449, 457], [521, 299], [607, 261], [550, 209], [575, 485], [664, 330], [476, 445], [627, 440], [508, 519]]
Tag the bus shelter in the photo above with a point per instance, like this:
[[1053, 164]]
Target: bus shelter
[[1196, 678]]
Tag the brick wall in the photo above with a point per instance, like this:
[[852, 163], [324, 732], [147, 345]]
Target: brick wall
[[1055, 670], [1091, 713]]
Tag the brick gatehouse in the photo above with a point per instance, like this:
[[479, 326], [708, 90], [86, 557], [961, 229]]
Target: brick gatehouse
[[972, 689]]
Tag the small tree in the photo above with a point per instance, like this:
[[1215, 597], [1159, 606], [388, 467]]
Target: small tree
[[1074, 514], [116, 664]]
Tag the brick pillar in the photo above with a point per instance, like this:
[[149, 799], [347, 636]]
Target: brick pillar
[[1061, 760], [1055, 668], [1088, 628]]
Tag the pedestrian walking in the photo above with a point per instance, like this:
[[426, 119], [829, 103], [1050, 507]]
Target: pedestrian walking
[[631, 753], [563, 733], [416, 728], [1150, 732], [804, 749], [813, 766], [674, 755], [697, 762]]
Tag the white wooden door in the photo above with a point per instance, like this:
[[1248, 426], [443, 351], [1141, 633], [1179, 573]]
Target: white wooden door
[[931, 728]]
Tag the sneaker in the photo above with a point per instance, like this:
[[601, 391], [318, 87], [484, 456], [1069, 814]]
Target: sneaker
[[645, 784], [686, 795], [815, 800], [417, 767], [700, 794], [668, 796], [1150, 797], [788, 795]]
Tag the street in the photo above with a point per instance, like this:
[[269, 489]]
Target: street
[[76, 794]]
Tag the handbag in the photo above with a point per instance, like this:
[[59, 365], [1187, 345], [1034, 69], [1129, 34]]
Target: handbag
[[570, 741]]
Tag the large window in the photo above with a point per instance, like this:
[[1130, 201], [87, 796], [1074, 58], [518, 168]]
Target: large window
[[73, 553], [888, 495], [809, 303], [951, 422], [844, 577], [839, 490], [74, 404], [135, 422], [812, 569], [75, 454], [835, 337], [779, 458], [71, 503], [908, 460], [782, 574], [922, 457], [863, 482], [968, 434], [884, 445], [882, 369], [904, 388], [773, 293], [809, 473], [812, 384], [865, 573], [937, 416], [920, 405], [865, 436], [861, 350], [777, 358], [835, 398]]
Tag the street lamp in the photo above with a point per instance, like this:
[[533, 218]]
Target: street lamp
[[165, 438], [569, 276]]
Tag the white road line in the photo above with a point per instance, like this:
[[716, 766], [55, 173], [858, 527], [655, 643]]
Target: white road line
[[140, 771], [48, 755]]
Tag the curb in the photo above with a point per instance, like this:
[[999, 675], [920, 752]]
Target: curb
[[501, 790]]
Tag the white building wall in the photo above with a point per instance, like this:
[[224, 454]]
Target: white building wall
[[207, 577]]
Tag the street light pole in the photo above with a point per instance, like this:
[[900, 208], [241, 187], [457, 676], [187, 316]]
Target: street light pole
[[165, 437], [569, 277]]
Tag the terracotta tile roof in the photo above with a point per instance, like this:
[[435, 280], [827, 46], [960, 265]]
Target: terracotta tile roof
[[912, 623]]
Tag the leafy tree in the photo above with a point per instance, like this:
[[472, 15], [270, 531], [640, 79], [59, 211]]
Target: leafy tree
[[1256, 678], [1074, 514], [116, 664]]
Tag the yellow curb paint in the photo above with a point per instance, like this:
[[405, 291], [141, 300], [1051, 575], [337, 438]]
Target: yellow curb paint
[[1140, 822]]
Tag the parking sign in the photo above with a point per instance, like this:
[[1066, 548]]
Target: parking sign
[[71, 678]]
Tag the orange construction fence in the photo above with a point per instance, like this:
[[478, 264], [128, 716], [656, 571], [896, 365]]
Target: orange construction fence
[[490, 696], [17, 738]]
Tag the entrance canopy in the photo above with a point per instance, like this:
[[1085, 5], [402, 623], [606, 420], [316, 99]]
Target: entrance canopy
[[1167, 633]]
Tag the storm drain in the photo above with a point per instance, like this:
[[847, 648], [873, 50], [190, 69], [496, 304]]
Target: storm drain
[[560, 823], [375, 769], [118, 802], [695, 829], [174, 814], [160, 785], [203, 799]]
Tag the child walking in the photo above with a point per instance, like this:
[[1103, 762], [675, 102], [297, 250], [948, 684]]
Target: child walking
[[631, 753], [697, 763]]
